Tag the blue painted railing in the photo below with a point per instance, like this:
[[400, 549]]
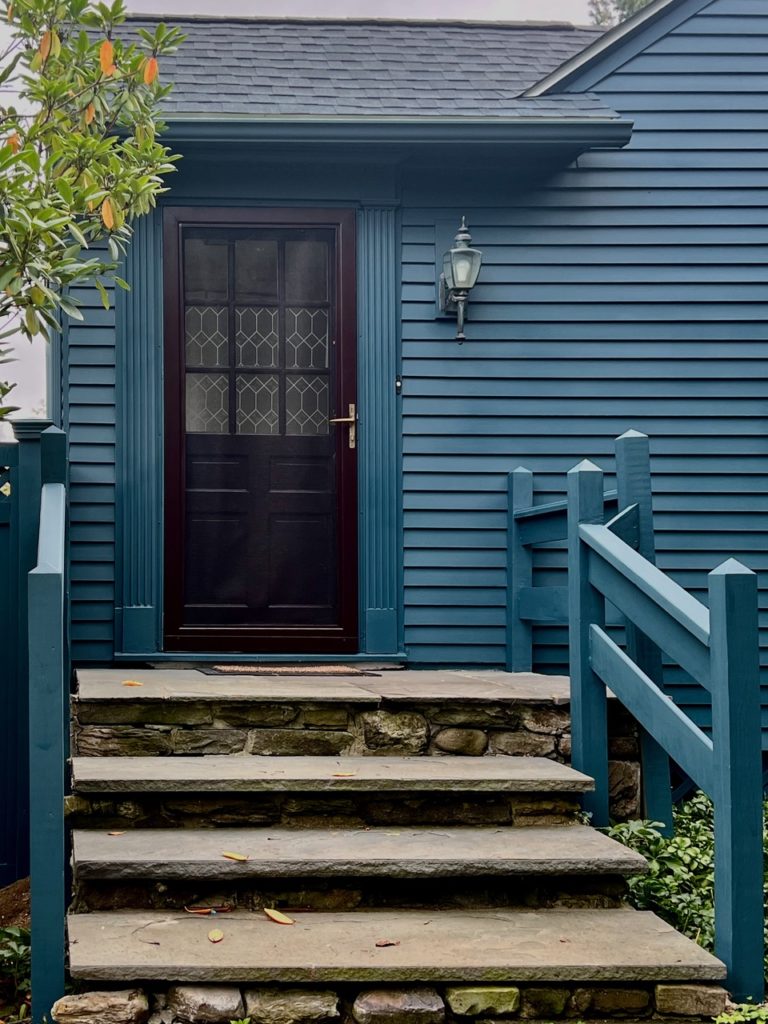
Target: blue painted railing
[[718, 647], [530, 525], [49, 675]]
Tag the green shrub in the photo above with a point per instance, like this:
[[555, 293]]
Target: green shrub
[[679, 885], [14, 974]]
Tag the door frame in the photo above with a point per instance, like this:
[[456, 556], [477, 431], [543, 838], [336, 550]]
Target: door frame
[[342, 639]]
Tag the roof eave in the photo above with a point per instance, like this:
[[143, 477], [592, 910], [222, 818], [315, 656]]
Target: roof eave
[[583, 133]]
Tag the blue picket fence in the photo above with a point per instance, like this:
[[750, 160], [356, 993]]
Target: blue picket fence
[[611, 566]]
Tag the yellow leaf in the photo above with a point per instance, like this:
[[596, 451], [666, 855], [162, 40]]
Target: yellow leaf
[[90, 113], [132, 682], [151, 69], [344, 775], [215, 935], [9, 12], [235, 856], [14, 142], [277, 917], [106, 54], [45, 45], [55, 43], [107, 214]]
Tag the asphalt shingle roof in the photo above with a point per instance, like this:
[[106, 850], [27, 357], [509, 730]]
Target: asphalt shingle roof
[[348, 68]]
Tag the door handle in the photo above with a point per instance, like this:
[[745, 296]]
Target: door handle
[[351, 420]]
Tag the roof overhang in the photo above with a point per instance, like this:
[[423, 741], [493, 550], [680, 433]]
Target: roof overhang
[[571, 133]]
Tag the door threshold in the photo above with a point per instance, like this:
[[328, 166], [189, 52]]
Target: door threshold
[[180, 658]]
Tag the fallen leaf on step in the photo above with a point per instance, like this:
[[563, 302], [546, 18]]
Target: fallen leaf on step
[[235, 856], [388, 942], [115, 833], [132, 682], [225, 908], [215, 935], [277, 917], [344, 775]]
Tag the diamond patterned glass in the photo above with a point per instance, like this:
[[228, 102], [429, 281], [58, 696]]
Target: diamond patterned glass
[[306, 405], [205, 329], [207, 403], [256, 336], [306, 339], [258, 410]]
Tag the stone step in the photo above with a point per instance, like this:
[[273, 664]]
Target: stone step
[[189, 854], [312, 774], [387, 947]]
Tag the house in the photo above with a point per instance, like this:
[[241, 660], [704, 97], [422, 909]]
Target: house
[[614, 185], [280, 451]]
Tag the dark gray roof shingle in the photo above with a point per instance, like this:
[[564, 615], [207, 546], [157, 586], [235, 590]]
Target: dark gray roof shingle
[[311, 67]]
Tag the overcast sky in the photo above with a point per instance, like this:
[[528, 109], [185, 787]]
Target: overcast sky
[[29, 370]]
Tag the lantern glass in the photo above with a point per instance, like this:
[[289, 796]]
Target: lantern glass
[[465, 263], [448, 270]]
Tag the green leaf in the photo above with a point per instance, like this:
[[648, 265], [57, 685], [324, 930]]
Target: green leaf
[[103, 292]]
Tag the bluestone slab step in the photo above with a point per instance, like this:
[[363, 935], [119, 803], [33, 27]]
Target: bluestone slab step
[[259, 773], [387, 852], [447, 946]]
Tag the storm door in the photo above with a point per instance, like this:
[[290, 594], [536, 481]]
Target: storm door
[[260, 481]]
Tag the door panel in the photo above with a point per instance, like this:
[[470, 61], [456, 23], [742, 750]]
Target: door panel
[[260, 486]]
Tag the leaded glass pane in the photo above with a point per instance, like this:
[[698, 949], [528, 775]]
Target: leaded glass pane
[[258, 408], [306, 271], [205, 331], [205, 271], [306, 339], [256, 336], [207, 405], [306, 405], [255, 269]]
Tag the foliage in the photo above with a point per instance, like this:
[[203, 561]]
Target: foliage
[[679, 885], [5, 387], [741, 1013], [14, 975], [610, 12], [79, 156], [246, 1020]]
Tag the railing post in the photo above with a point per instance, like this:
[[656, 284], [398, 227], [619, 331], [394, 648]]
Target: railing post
[[519, 637], [633, 483], [589, 726], [27, 433], [738, 796]]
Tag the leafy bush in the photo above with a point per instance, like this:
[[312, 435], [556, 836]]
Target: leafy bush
[[679, 885], [14, 974]]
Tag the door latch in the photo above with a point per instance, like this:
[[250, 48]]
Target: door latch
[[351, 421]]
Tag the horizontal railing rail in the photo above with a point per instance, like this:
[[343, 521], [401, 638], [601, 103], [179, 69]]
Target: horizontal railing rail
[[718, 646]]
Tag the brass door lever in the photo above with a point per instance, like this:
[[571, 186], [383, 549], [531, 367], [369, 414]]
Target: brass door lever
[[351, 420]]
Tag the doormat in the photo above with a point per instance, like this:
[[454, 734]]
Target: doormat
[[284, 670]]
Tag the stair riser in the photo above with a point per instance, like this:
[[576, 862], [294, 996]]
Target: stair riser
[[319, 810], [517, 1001], [350, 894]]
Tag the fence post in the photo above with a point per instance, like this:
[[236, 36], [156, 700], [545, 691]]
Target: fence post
[[519, 573], [738, 796], [633, 483], [589, 726], [27, 433]]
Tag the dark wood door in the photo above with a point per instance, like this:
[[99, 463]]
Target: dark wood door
[[260, 504]]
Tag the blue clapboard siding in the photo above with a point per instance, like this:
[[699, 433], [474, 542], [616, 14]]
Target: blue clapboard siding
[[629, 291], [88, 413]]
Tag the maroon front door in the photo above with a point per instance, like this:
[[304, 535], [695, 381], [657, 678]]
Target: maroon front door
[[260, 503]]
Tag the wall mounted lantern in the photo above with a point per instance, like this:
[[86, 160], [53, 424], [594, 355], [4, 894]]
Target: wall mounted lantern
[[461, 266]]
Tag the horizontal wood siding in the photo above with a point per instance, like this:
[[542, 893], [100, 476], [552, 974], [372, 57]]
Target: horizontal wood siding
[[627, 291], [88, 370]]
